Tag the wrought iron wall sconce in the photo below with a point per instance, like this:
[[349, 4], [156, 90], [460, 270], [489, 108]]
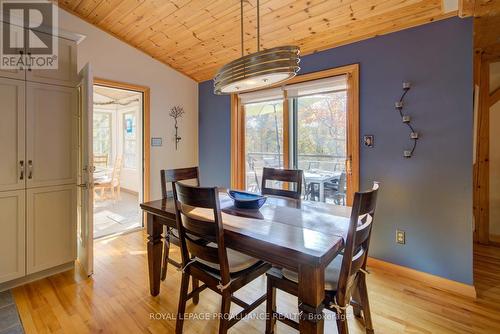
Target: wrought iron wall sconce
[[407, 120], [176, 112]]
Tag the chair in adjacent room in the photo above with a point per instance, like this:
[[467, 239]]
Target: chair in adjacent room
[[101, 160], [111, 183], [345, 276]]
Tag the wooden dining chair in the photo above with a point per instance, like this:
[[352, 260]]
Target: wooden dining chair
[[101, 160], [221, 269], [345, 277], [111, 183], [170, 176], [294, 176]]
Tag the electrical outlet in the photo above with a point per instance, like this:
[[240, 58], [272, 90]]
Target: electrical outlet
[[400, 237]]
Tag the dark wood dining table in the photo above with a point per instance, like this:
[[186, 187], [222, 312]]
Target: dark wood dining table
[[299, 235]]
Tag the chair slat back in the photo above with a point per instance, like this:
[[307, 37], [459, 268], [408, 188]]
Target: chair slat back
[[117, 169], [101, 160], [284, 175], [357, 242], [179, 174], [198, 216]]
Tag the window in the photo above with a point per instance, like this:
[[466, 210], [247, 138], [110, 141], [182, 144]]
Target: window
[[102, 134], [302, 125], [130, 140], [264, 139]]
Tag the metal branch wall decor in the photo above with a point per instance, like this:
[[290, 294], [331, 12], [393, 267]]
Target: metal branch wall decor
[[407, 120], [176, 112]]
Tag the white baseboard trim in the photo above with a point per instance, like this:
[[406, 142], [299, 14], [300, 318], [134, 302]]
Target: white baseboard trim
[[429, 279], [128, 191], [36, 276]]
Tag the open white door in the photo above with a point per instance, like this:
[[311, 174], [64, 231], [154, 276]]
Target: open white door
[[85, 173]]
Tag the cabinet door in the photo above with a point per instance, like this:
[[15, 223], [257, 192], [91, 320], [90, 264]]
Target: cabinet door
[[51, 134], [12, 113], [15, 32], [66, 73], [51, 227], [12, 238]]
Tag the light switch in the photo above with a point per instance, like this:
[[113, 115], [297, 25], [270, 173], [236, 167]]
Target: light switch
[[400, 237], [156, 141]]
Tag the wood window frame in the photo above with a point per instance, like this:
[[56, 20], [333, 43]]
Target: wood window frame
[[238, 168], [481, 165]]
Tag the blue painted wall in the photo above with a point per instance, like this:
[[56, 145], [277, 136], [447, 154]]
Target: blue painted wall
[[430, 195]]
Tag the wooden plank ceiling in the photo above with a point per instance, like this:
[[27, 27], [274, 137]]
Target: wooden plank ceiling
[[196, 37], [486, 27]]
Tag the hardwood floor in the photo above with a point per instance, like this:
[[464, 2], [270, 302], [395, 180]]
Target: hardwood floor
[[116, 300]]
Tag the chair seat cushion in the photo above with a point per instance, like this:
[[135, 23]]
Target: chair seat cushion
[[237, 261], [175, 232], [332, 274]]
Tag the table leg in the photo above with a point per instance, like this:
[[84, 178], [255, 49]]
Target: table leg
[[322, 191], [311, 296], [154, 230]]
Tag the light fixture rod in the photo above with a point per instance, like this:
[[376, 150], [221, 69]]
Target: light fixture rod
[[258, 25], [242, 47]]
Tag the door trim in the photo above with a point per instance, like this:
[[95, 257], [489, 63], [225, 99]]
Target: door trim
[[238, 128], [145, 127]]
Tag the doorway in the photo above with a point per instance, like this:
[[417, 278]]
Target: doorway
[[118, 157]]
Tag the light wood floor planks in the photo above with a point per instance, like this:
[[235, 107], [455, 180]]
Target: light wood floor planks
[[116, 300]]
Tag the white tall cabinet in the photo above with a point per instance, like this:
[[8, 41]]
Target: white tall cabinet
[[38, 155]]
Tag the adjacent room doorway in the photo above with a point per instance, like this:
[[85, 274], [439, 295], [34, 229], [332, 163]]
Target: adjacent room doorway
[[120, 182]]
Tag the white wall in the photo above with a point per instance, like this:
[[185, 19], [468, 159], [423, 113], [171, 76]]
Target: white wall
[[114, 60], [495, 156]]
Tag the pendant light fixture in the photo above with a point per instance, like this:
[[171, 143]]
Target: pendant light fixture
[[257, 70]]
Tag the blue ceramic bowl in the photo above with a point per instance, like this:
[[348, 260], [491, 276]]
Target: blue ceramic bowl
[[245, 200]]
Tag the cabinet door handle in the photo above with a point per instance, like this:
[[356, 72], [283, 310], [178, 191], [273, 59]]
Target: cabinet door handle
[[21, 170], [21, 53], [29, 64], [30, 169]]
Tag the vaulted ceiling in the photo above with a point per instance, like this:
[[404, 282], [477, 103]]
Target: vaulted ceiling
[[196, 37]]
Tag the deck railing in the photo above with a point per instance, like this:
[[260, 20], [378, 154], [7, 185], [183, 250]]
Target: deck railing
[[327, 162]]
